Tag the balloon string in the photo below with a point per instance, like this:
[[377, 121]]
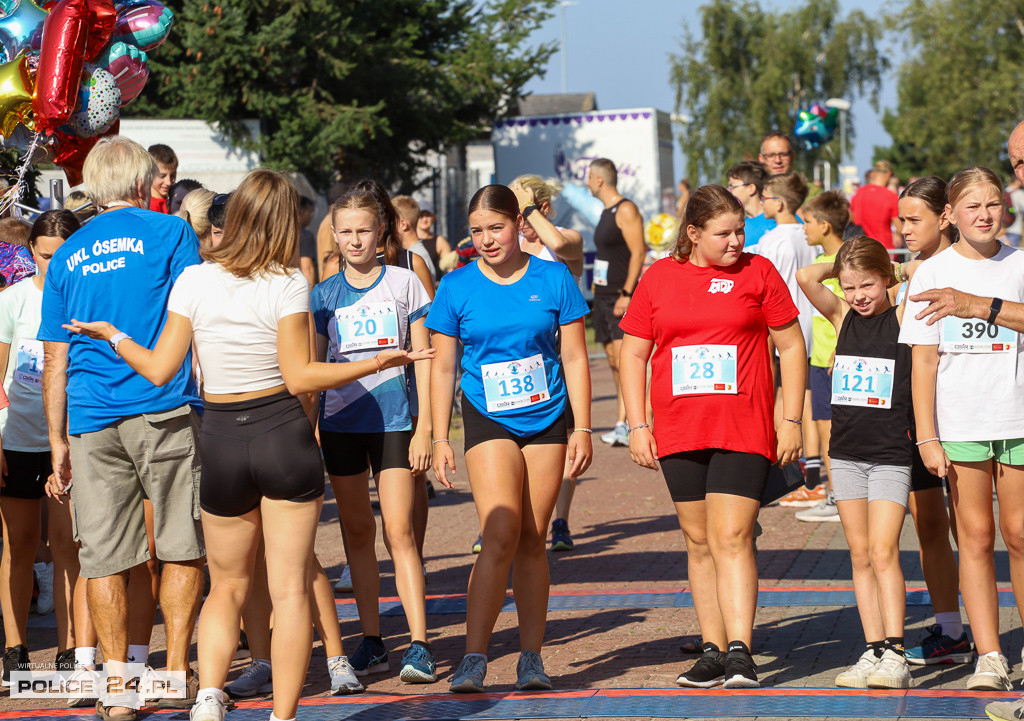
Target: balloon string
[[12, 194]]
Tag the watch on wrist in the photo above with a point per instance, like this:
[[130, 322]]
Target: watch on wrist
[[997, 305], [626, 293], [528, 209], [116, 339]]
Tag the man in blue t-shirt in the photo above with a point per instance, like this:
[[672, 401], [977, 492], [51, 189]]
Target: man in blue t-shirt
[[125, 438]]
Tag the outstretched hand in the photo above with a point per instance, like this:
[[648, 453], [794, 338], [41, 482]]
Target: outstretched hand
[[100, 329], [397, 358], [947, 301]]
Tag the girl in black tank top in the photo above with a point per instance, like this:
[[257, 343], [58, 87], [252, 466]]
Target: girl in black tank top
[[871, 447]]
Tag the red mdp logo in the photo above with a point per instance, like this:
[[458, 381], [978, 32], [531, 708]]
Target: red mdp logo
[[873, 401], [536, 397], [719, 386], [999, 346], [383, 341]]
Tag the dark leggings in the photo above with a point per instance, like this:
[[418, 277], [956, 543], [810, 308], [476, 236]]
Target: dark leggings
[[255, 449]]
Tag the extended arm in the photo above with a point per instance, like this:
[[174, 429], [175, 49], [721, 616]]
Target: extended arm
[[633, 358], [793, 369], [947, 301], [158, 366], [304, 375], [442, 395], [576, 366]]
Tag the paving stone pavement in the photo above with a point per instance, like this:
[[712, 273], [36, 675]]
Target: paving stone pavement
[[627, 539]]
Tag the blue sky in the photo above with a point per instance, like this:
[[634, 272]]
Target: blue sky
[[621, 52]]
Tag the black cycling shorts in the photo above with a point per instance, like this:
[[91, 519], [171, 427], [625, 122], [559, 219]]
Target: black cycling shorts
[[349, 454], [691, 475], [255, 449]]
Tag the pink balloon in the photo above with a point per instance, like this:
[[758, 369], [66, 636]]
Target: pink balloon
[[129, 67], [143, 23]]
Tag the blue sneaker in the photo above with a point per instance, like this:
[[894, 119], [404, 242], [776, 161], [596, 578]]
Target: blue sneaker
[[418, 665], [469, 676], [370, 657], [561, 540], [937, 648], [530, 672]]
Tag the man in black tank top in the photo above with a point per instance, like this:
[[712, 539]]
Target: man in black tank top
[[619, 238]]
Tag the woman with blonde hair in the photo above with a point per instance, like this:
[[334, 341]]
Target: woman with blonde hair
[[539, 236], [248, 314], [194, 209]]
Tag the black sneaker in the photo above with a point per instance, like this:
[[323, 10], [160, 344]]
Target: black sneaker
[[65, 660], [709, 670], [740, 669], [15, 659]]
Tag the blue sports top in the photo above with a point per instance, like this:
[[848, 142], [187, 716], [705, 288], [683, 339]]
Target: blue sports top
[[511, 369], [358, 323], [119, 268]]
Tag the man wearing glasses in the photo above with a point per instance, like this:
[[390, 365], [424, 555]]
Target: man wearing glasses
[[776, 153]]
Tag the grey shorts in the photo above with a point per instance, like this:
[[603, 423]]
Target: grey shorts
[[853, 480], [153, 455]]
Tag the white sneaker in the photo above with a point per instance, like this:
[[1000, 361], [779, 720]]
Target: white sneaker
[[857, 675], [210, 706], [44, 577], [1006, 710], [617, 436], [892, 671], [344, 584], [991, 673], [343, 678], [88, 677], [825, 512]]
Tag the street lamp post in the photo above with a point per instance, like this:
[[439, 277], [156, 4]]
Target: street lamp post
[[842, 106], [565, 56]]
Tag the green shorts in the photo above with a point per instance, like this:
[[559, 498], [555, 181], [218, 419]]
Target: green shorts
[[1010, 453]]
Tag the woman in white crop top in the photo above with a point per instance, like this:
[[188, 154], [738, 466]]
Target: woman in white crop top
[[249, 316]]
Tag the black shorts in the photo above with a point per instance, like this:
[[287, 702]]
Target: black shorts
[[349, 454], [256, 449], [606, 323], [26, 474], [691, 475], [921, 479], [478, 429], [821, 393]]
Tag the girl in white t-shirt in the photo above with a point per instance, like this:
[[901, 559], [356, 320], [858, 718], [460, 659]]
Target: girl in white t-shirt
[[262, 476], [968, 382]]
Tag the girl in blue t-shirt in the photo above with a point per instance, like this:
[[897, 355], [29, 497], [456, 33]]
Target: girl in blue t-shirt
[[368, 424], [508, 310]]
